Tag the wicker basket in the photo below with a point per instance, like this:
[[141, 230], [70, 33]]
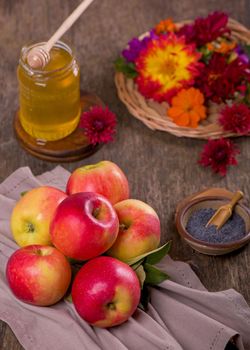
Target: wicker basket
[[153, 114]]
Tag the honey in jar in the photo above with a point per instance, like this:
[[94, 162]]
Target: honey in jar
[[50, 98]]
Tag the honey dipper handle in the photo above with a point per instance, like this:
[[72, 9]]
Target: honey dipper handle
[[67, 24], [236, 197]]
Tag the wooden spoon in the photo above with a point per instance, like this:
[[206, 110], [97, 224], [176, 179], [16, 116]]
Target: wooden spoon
[[224, 212], [39, 56]]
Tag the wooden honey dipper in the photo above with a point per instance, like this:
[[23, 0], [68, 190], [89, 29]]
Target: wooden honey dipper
[[39, 56]]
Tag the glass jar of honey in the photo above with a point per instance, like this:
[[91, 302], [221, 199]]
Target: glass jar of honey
[[50, 98]]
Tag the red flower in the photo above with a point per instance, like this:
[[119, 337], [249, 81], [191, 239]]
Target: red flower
[[219, 154], [236, 118], [99, 124], [205, 30], [166, 66], [219, 80]]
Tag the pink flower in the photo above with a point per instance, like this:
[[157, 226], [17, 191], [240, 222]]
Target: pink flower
[[219, 155], [236, 118], [99, 124]]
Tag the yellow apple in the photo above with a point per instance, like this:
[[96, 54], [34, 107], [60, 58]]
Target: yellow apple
[[32, 215]]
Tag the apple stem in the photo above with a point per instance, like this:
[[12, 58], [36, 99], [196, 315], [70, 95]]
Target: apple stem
[[96, 212], [123, 227], [39, 252], [30, 227], [111, 306]]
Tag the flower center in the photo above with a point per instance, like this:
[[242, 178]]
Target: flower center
[[221, 155], [188, 109], [98, 124], [168, 68]]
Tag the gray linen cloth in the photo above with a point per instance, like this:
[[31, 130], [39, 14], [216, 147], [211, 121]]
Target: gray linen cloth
[[182, 313]]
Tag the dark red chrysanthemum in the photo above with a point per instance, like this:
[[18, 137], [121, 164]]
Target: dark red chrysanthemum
[[205, 30], [219, 80], [236, 118], [99, 125], [219, 155]]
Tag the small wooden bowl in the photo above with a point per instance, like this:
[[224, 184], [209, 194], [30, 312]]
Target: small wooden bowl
[[183, 215]]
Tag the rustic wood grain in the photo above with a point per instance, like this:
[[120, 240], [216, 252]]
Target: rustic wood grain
[[161, 168]]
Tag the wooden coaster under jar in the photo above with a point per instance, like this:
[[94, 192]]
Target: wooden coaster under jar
[[69, 149]]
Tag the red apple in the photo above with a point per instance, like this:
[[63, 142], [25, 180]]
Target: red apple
[[84, 226], [38, 275], [139, 230], [105, 178], [105, 292], [32, 214]]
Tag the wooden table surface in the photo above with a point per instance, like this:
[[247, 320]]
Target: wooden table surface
[[162, 169]]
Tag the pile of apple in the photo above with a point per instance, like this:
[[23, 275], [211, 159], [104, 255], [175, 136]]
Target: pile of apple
[[94, 216]]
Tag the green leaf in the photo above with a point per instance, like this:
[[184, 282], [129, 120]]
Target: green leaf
[[141, 275], [206, 53], [128, 68], [23, 193], [140, 257], [154, 275], [156, 257], [68, 298], [246, 48], [137, 264]]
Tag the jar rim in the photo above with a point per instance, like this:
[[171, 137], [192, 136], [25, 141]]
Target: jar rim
[[43, 72]]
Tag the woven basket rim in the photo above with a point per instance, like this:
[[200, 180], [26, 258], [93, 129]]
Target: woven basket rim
[[153, 114]]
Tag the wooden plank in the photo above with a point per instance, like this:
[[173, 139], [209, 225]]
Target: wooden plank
[[161, 168]]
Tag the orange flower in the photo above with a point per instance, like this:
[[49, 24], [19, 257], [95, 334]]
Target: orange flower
[[221, 47], [187, 108], [164, 26]]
